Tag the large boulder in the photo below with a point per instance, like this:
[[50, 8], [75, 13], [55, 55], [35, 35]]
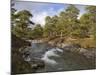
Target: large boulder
[[89, 53], [72, 48]]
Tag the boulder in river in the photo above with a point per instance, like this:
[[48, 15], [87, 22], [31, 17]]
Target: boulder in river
[[87, 52], [37, 63]]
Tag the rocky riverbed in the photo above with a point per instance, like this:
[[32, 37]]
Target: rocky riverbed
[[50, 56], [88, 52], [44, 57]]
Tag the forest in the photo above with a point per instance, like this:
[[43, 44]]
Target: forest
[[65, 24]]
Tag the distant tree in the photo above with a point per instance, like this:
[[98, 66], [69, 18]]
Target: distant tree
[[68, 20], [88, 21], [48, 26], [72, 12], [91, 9], [37, 32], [51, 27], [65, 24]]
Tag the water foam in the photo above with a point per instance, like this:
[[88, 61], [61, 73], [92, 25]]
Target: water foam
[[59, 50], [51, 52]]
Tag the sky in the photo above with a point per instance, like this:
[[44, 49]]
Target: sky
[[40, 10]]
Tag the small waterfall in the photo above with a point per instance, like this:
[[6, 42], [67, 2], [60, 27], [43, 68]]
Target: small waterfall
[[55, 58], [50, 53]]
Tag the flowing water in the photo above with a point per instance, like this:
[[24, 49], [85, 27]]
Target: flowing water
[[57, 59]]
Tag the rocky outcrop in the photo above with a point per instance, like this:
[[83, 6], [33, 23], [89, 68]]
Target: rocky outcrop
[[37, 64], [87, 52]]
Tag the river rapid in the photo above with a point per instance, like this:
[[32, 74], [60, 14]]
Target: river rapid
[[57, 59]]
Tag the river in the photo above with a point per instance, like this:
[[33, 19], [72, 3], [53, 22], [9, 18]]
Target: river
[[57, 59]]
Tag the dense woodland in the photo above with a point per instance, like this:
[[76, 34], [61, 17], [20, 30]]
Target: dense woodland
[[63, 25]]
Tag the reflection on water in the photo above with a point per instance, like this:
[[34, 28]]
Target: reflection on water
[[59, 60]]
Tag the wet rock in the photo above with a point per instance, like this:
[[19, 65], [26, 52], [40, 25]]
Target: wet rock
[[82, 50], [87, 52], [37, 63], [72, 48]]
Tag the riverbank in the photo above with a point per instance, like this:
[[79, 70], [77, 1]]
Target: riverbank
[[83, 46], [58, 59], [18, 63]]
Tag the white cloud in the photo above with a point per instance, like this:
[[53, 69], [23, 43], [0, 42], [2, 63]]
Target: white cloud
[[38, 10], [39, 18]]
